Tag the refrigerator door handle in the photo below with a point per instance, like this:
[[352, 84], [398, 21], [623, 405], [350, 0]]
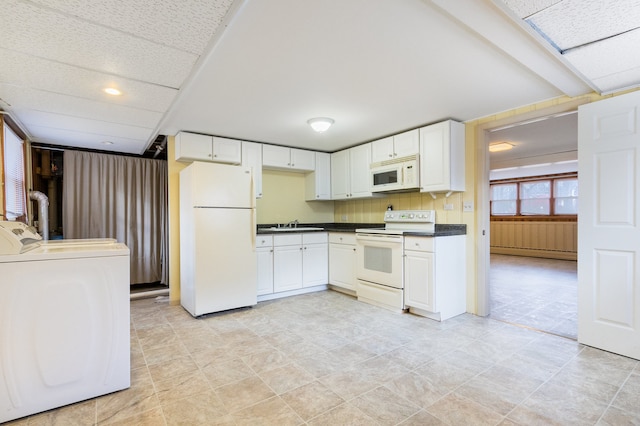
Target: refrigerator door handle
[[254, 229]]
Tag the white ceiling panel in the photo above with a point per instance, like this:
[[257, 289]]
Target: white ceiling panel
[[186, 25], [86, 140], [24, 98], [28, 71], [525, 8], [607, 57], [46, 34], [59, 121], [572, 23]]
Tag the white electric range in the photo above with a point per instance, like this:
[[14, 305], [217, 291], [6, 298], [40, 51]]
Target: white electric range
[[380, 268]]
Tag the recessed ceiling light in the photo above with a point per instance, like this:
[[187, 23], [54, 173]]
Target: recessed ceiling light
[[500, 146], [106, 143], [112, 91], [320, 124]]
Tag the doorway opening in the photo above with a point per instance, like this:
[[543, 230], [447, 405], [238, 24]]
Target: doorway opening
[[531, 259]]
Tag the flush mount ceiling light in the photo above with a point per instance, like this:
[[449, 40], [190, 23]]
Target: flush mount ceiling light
[[106, 143], [500, 146], [112, 91], [320, 124]]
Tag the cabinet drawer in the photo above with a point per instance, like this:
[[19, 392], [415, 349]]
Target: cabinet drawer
[[419, 243], [314, 238], [264, 241], [342, 238], [287, 240]]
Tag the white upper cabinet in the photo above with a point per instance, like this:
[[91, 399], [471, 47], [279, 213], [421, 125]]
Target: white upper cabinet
[[252, 157], [227, 150], [442, 157], [280, 157], [192, 146], [350, 173], [318, 182], [397, 146]]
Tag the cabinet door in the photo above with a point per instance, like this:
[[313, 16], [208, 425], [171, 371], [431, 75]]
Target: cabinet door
[[191, 146], [227, 150], [315, 264], [252, 157], [360, 159], [419, 289], [382, 149], [302, 159], [406, 144], [340, 181], [276, 157], [342, 265], [265, 270], [318, 183], [287, 268], [442, 157]]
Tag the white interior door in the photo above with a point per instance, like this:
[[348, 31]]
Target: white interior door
[[608, 225]]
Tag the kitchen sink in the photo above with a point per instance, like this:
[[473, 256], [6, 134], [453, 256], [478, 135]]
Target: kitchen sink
[[299, 229]]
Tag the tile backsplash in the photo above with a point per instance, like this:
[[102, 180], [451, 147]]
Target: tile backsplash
[[371, 210]]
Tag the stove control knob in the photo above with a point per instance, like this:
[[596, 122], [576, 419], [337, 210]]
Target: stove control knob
[[411, 215]]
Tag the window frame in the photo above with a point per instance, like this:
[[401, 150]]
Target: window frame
[[4, 126], [552, 199]]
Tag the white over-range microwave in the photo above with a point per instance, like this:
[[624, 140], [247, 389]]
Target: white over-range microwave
[[395, 175]]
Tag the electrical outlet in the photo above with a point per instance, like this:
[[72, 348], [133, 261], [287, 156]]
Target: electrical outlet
[[448, 206], [467, 206], [344, 218]]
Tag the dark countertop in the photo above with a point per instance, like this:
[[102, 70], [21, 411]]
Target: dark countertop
[[442, 230]]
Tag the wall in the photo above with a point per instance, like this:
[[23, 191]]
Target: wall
[[283, 200], [548, 239]]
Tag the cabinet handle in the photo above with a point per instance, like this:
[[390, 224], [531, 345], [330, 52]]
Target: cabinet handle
[[390, 155], [292, 165]]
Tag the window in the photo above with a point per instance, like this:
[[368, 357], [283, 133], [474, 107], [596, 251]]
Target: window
[[504, 199], [535, 197], [541, 196], [566, 196], [14, 182]]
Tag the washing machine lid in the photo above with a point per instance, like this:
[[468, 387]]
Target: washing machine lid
[[71, 249]]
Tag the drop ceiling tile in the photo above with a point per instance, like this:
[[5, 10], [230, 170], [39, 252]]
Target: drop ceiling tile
[[24, 98], [622, 80], [608, 57], [71, 138], [26, 71], [573, 23], [526, 8], [47, 34], [182, 25], [77, 124]]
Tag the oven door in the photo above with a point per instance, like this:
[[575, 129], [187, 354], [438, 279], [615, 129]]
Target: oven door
[[379, 259]]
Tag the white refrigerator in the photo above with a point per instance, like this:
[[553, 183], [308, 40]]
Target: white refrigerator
[[217, 238]]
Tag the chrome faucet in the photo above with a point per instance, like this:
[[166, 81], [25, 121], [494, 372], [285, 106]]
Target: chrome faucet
[[293, 224]]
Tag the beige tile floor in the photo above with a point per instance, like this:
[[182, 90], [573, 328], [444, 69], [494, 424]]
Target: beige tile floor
[[327, 359], [535, 292]]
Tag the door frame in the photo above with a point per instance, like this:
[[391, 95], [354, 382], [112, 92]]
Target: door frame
[[482, 248]]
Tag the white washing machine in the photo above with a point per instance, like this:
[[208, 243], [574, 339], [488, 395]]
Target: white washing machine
[[64, 320]]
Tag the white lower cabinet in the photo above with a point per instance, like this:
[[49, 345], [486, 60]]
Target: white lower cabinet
[[435, 276], [299, 261], [264, 255], [342, 260], [315, 259]]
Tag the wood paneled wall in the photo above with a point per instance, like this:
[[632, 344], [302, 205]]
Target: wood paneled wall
[[554, 240]]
